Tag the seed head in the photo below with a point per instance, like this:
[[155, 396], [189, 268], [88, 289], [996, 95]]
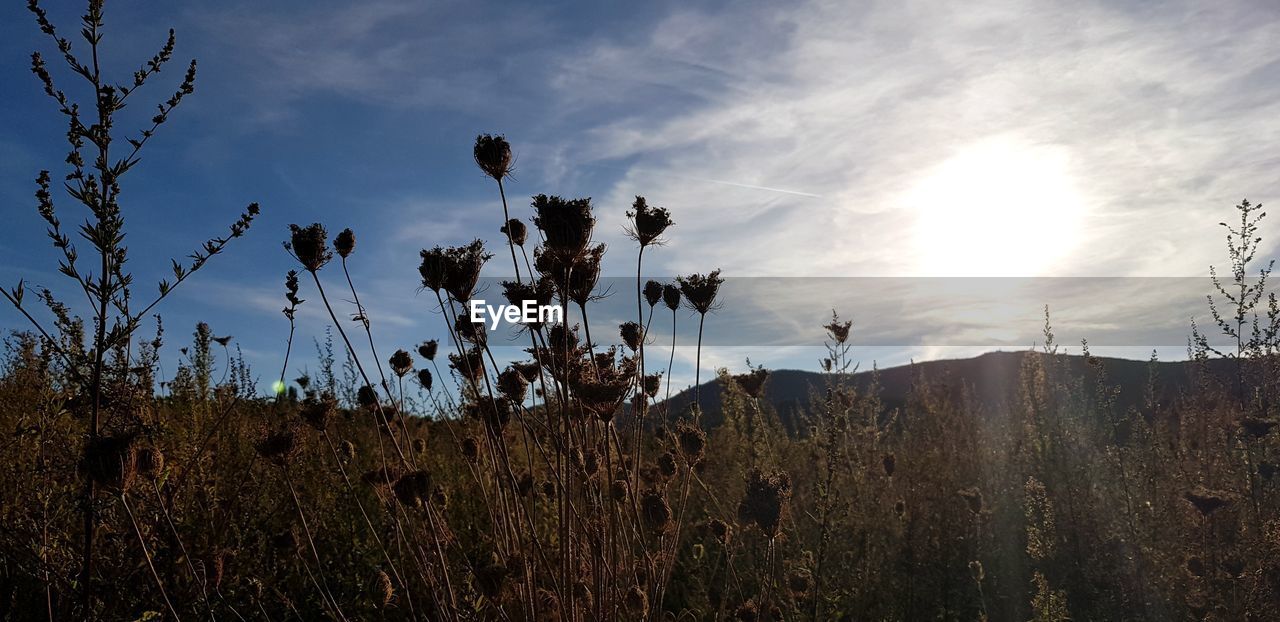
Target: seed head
[[462, 269], [652, 292], [767, 500], [700, 290], [111, 461], [585, 275], [424, 379], [647, 223], [719, 530], [671, 296], [385, 592], [150, 461], [493, 155], [348, 450], [428, 349], [747, 612], [413, 489], [401, 363], [636, 602], [632, 335], [367, 397], [309, 245], [752, 382], [798, 582], [512, 385], [517, 231], [470, 365], [433, 268], [692, 440], [278, 446], [566, 225], [470, 448], [345, 243], [838, 331], [655, 512], [667, 464], [618, 490], [317, 411]]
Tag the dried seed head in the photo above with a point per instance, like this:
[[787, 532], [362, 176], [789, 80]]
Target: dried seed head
[[367, 397], [585, 275], [700, 290], [719, 530], [462, 269], [747, 612], [838, 331], [647, 223], [667, 464], [590, 462], [413, 489], [566, 225], [494, 413], [618, 490], [383, 588], [632, 335], [345, 243], [470, 332], [347, 450], [655, 512], [512, 385], [419, 445], [401, 363], [428, 349], [767, 500], [470, 448], [671, 296], [317, 411], [652, 383], [433, 268], [150, 461], [493, 155], [517, 231], [440, 498], [636, 602], [278, 446], [692, 440], [973, 498], [652, 292], [548, 489], [529, 370], [752, 382], [309, 245], [111, 461], [424, 379], [470, 366]]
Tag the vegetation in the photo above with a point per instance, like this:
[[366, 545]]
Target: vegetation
[[563, 487]]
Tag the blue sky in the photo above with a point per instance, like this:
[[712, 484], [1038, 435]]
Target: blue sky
[[811, 139]]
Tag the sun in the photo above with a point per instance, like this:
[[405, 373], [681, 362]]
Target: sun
[[998, 207]]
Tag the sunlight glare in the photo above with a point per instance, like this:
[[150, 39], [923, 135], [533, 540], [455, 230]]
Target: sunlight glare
[[999, 207]]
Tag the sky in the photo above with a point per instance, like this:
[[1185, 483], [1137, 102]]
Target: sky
[[841, 142]]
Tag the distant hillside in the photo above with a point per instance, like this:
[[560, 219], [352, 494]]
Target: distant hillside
[[992, 378]]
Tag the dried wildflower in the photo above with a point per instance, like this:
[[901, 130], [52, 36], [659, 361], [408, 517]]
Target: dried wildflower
[[383, 589], [652, 293], [636, 602], [747, 612], [111, 461], [278, 446], [752, 382], [440, 498], [345, 243], [566, 225], [494, 413], [309, 245], [424, 379], [888, 461], [692, 441], [529, 370], [317, 411], [470, 448], [150, 461], [647, 223], [428, 349], [671, 296], [470, 366], [618, 490], [838, 331], [973, 498], [767, 500], [548, 605], [470, 332], [700, 290], [517, 231], [799, 581], [590, 462], [291, 293], [548, 489], [602, 399], [463, 265], [655, 512], [652, 383], [719, 530], [347, 450], [667, 464], [493, 155], [419, 446], [585, 275], [401, 363], [512, 385], [434, 267], [1207, 501], [632, 335], [413, 489], [366, 396]]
